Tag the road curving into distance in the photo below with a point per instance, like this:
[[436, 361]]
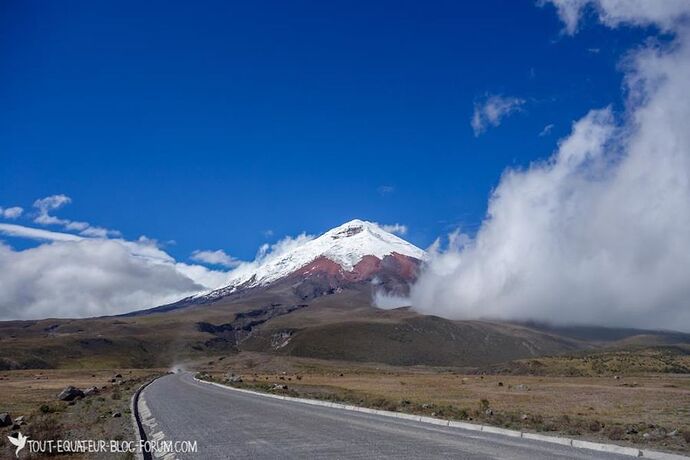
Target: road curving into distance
[[232, 424]]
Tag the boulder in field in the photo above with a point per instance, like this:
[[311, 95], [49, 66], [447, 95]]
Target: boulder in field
[[70, 393]]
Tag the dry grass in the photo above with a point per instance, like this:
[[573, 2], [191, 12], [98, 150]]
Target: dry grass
[[634, 361], [592, 407], [621, 408], [33, 393], [24, 391]]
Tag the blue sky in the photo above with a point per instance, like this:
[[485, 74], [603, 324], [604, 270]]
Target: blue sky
[[209, 125]]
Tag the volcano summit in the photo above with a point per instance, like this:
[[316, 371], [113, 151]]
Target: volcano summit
[[357, 252]]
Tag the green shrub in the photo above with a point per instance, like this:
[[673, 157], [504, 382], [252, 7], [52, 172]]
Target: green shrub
[[46, 409]]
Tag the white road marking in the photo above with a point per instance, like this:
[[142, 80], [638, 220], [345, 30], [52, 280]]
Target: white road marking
[[149, 420]]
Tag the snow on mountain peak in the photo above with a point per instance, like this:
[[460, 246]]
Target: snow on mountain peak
[[348, 243], [345, 245]]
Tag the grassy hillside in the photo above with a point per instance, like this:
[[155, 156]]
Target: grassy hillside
[[341, 326], [610, 362], [412, 340]]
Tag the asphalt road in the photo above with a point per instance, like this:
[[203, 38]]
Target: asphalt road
[[231, 424]]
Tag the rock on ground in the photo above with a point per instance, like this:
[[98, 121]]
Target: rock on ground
[[70, 393]]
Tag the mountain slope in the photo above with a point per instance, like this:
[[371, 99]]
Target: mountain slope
[[313, 300], [274, 319]]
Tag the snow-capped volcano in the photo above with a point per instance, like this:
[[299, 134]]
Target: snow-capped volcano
[[355, 251]]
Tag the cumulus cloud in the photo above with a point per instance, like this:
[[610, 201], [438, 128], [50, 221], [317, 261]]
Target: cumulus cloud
[[398, 229], [218, 257], [597, 233], [492, 110], [72, 276], [11, 213]]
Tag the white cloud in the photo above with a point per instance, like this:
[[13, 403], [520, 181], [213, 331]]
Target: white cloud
[[73, 276], [492, 110], [668, 15], [266, 254], [99, 232], [45, 206], [218, 257], [598, 233], [69, 275], [547, 130], [83, 278], [50, 203], [389, 301], [203, 276], [569, 11], [76, 226], [21, 231], [11, 213], [398, 229]]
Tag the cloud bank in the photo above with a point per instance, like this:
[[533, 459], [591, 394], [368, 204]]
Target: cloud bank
[[598, 233], [70, 275], [83, 278], [492, 110], [89, 274]]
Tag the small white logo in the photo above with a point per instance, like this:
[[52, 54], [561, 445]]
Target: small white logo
[[19, 441]]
